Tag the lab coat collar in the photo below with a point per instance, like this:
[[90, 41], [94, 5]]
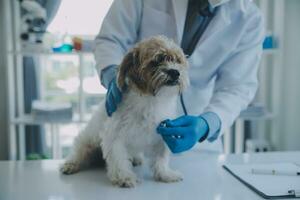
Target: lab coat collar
[[180, 9], [216, 3]]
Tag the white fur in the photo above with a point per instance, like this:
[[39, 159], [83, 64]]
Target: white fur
[[130, 131]]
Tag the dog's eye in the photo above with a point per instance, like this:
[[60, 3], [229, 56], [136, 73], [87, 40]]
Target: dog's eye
[[160, 58], [153, 64], [178, 60]]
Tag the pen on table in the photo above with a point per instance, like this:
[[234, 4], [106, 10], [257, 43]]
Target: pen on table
[[275, 172]]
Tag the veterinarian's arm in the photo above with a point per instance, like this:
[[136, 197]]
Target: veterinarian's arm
[[118, 33], [237, 83], [234, 89]]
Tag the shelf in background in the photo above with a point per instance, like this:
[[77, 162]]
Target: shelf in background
[[30, 120], [49, 53], [61, 93], [251, 117], [256, 112], [270, 51]]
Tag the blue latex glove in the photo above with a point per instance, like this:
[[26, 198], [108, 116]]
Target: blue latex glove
[[113, 97], [183, 133]]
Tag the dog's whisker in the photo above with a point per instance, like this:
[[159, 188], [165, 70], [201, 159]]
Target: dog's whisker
[[160, 77], [158, 80]]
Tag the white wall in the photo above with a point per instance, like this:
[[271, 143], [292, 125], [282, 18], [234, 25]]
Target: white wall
[[3, 99], [290, 108], [279, 76]]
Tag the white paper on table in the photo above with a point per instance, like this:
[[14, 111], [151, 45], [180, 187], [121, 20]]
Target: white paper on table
[[269, 185]]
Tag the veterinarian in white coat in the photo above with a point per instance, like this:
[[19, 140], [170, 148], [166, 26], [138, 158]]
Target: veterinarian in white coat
[[223, 64]]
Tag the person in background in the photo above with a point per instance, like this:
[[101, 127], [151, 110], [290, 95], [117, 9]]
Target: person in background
[[223, 42]]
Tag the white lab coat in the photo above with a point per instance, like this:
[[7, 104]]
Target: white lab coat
[[223, 67]]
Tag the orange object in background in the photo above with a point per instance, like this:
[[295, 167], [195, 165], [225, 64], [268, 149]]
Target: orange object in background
[[77, 43]]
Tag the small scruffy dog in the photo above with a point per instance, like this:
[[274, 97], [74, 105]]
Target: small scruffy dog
[[150, 76]]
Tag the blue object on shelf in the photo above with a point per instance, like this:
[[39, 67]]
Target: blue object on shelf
[[63, 48], [268, 42]]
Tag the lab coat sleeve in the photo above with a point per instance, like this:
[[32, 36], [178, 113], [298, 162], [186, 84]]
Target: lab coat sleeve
[[236, 82], [118, 33]]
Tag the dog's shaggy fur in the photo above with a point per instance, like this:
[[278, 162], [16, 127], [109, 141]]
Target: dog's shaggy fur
[[151, 76]]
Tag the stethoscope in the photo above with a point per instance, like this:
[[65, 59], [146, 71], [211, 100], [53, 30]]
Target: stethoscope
[[183, 104], [191, 49]]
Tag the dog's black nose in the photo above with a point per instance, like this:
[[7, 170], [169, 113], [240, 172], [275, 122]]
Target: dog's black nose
[[173, 73]]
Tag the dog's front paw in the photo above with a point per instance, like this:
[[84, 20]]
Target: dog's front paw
[[69, 168], [125, 181], [168, 176]]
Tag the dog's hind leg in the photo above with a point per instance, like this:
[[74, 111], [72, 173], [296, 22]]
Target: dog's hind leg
[[119, 166], [86, 144], [81, 156]]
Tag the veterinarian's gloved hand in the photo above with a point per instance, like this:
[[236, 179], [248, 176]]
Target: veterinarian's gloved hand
[[113, 97], [184, 132]]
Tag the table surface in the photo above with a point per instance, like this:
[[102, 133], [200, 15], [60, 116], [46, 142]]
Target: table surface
[[204, 178]]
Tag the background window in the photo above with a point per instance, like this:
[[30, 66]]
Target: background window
[[72, 17], [60, 73]]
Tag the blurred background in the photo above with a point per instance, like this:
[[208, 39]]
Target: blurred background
[[49, 85]]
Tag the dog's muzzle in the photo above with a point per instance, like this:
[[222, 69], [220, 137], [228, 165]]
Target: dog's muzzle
[[173, 77]]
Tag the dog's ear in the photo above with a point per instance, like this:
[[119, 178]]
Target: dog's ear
[[130, 61]]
